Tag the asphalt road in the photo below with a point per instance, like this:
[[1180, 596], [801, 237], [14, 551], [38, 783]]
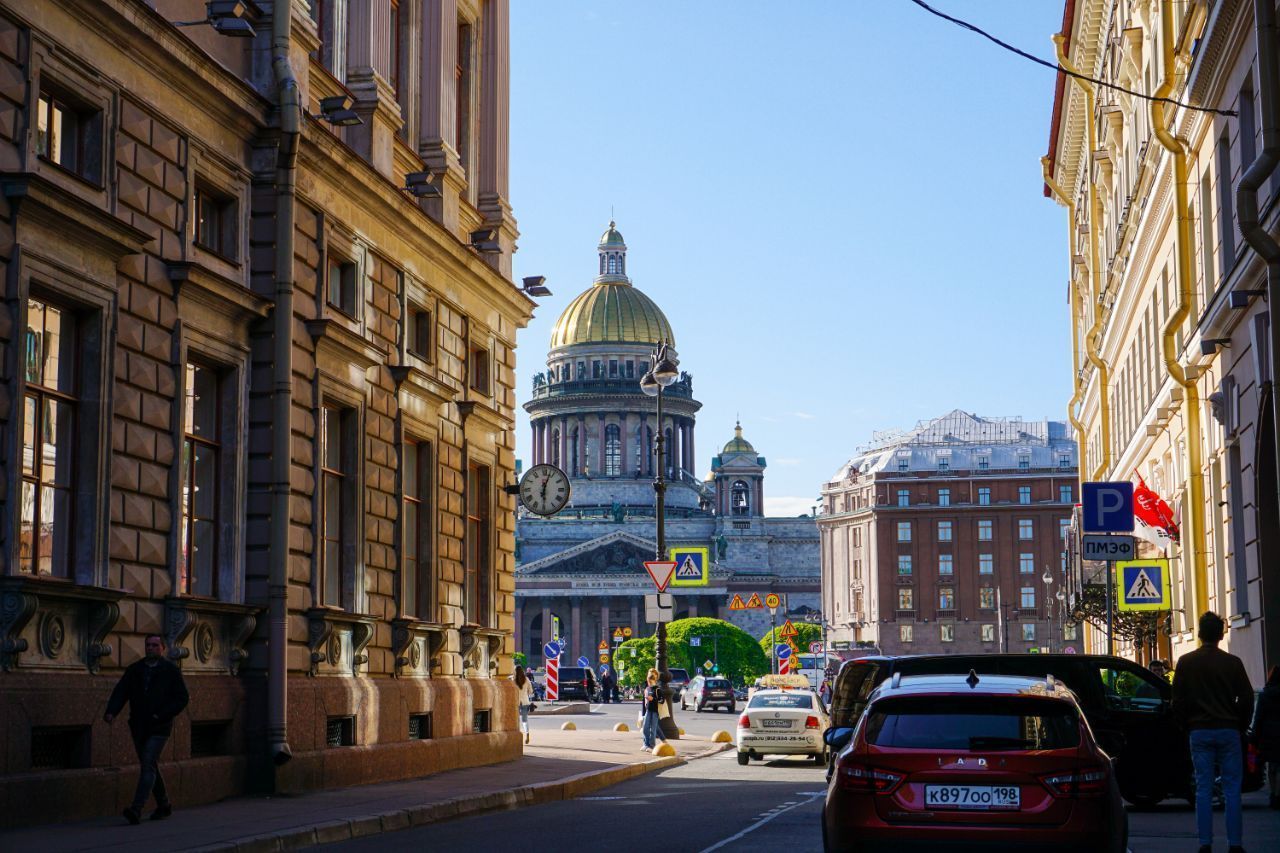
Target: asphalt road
[[604, 717], [708, 804]]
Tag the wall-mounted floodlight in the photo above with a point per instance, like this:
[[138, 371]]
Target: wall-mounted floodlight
[[535, 285], [485, 240], [1239, 299], [225, 16], [1209, 346], [336, 109], [421, 185]]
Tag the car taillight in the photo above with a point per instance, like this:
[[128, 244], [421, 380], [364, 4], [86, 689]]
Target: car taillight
[[744, 722], [868, 780], [811, 722], [1068, 783]]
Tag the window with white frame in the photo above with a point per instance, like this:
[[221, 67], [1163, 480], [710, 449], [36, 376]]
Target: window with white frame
[[947, 633], [904, 531], [988, 633], [944, 497], [905, 633], [1027, 600], [904, 497], [200, 499], [1064, 526], [945, 566], [1070, 631], [944, 531], [1064, 494], [1024, 494], [946, 598], [984, 496], [1026, 528], [904, 564], [337, 506], [986, 564], [1026, 563], [1028, 632], [984, 530], [906, 598], [987, 598]]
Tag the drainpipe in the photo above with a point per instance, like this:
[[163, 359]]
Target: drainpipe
[[1255, 234], [282, 385], [1191, 407], [1073, 298], [1095, 267]]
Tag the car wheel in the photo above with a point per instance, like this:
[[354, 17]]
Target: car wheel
[[699, 707], [1142, 799], [682, 707], [820, 759], [743, 758], [732, 708]]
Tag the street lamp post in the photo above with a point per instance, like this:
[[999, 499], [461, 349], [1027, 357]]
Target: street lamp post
[[664, 372], [1047, 579]]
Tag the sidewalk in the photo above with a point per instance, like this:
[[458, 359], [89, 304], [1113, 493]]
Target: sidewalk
[[558, 766], [1171, 826]]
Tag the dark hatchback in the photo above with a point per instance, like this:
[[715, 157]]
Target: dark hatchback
[[573, 683], [1127, 707]]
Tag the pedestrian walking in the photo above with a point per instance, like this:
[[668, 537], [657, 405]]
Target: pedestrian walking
[[524, 695], [606, 681], [1264, 732], [589, 683], [650, 727], [156, 694], [1212, 701]]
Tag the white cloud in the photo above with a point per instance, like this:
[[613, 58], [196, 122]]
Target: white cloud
[[804, 416], [789, 505]]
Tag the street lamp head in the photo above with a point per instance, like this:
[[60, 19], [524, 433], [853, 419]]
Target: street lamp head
[[1047, 578], [649, 385], [665, 371]]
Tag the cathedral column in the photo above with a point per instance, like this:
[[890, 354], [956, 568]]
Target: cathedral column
[[581, 460], [533, 435], [635, 617], [693, 605], [575, 618], [564, 443], [546, 625], [623, 439], [605, 630], [693, 458]]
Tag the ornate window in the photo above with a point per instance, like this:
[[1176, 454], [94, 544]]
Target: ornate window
[[336, 485], [612, 451], [987, 598], [740, 498], [419, 586], [946, 598], [1028, 598], [48, 440], [479, 539], [201, 449], [988, 633]]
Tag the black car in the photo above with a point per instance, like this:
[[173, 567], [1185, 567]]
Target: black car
[[573, 684], [1126, 705]]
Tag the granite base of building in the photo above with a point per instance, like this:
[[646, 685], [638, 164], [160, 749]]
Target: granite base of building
[[74, 766]]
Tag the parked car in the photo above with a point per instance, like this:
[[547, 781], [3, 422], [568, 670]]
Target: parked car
[[983, 762], [1126, 705], [679, 681], [707, 692], [781, 721], [573, 683]]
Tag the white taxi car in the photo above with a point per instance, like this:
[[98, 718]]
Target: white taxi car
[[783, 721]]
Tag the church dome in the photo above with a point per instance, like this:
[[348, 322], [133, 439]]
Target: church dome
[[612, 312], [738, 444]]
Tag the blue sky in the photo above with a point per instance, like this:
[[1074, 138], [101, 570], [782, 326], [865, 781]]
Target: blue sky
[[837, 205]]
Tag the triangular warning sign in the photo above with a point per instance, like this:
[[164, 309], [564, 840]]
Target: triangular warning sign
[[604, 646], [788, 630], [1144, 589], [661, 572], [737, 603], [754, 602], [617, 632]]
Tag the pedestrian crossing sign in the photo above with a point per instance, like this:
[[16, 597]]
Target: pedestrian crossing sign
[[1143, 584], [692, 566]]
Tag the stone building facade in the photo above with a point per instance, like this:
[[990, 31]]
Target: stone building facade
[[937, 540], [588, 415], [1174, 349], [256, 392]]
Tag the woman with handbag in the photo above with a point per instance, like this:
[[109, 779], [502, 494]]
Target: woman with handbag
[[650, 727], [524, 693], [1264, 731]]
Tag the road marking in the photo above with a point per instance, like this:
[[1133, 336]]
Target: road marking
[[601, 798], [763, 820]]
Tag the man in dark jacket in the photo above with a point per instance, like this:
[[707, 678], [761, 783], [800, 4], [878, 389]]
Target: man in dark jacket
[[1213, 700], [1264, 731], [156, 694]]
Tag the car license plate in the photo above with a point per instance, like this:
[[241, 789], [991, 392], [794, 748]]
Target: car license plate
[[972, 796], [776, 724]]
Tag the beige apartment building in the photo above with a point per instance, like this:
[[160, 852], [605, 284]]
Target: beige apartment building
[[1168, 197], [256, 391]]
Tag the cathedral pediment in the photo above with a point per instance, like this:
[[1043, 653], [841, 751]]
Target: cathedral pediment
[[616, 554]]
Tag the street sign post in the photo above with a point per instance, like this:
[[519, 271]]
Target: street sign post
[[583, 660], [782, 651], [551, 650], [695, 641], [1107, 507], [788, 630], [815, 648], [604, 645], [772, 600], [1100, 547], [754, 603], [626, 632], [737, 603]]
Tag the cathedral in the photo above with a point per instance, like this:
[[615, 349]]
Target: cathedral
[[580, 574]]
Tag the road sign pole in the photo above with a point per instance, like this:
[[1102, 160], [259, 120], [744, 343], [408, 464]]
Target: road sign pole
[[773, 636], [1111, 607]]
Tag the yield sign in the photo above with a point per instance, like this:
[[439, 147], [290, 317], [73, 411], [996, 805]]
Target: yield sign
[[754, 602], [788, 630], [737, 603], [661, 572]]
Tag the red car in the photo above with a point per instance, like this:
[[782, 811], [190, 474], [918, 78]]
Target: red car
[[980, 763]]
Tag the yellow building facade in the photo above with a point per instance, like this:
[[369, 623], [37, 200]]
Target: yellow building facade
[[1171, 353]]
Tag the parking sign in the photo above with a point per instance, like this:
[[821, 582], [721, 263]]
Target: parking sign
[[1107, 507]]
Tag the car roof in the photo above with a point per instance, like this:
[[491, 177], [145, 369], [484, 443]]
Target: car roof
[[1056, 656], [972, 684]]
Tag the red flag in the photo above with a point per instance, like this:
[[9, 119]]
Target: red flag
[[1151, 510]]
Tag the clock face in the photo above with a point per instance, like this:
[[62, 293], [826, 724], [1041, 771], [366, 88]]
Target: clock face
[[544, 489]]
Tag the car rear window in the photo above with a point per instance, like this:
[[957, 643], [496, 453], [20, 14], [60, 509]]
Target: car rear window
[[717, 683], [571, 673], [679, 674], [978, 722], [781, 700]]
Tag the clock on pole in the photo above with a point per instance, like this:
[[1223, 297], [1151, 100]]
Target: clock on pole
[[544, 490]]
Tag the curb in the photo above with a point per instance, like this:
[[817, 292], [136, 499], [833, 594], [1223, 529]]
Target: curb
[[373, 824]]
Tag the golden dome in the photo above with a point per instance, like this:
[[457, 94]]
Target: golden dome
[[738, 444], [612, 312]]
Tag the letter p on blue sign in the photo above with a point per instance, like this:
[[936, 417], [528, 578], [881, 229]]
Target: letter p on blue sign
[[1107, 507]]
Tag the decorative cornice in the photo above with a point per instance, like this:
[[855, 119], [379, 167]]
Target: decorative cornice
[[71, 216]]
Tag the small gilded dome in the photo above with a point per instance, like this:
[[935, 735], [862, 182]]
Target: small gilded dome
[[612, 312], [612, 237], [738, 444]]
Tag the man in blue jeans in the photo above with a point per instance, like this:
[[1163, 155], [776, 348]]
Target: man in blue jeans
[[1213, 700], [155, 692]]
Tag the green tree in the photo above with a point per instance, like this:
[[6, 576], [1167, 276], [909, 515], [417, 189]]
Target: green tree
[[740, 658], [519, 659], [809, 633], [631, 670]]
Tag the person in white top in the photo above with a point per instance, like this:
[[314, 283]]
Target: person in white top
[[524, 693]]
